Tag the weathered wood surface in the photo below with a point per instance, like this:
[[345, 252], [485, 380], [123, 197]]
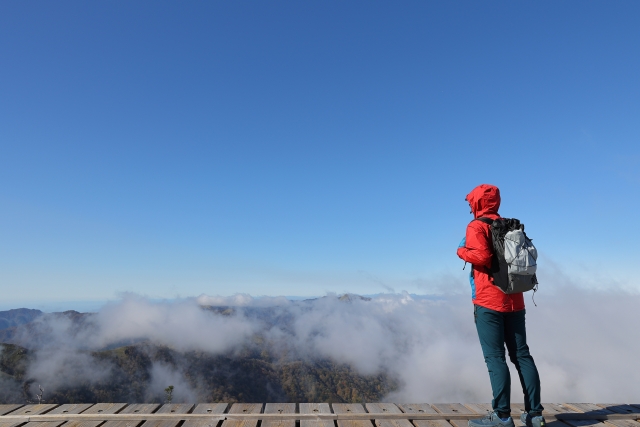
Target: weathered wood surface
[[481, 408], [452, 409], [423, 408], [556, 408], [71, 408], [175, 408], [279, 408], [136, 408], [44, 423], [622, 423], [316, 409], [420, 409], [350, 408], [459, 423], [243, 409], [34, 409], [620, 409], [105, 408], [82, 423], [389, 408], [309, 414], [140, 408], [417, 408], [588, 408], [169, 408], [431, 423], [582, 423], [211, 409], [5, 409]]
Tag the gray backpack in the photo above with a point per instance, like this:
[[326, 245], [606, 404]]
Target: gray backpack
[[513, 265]]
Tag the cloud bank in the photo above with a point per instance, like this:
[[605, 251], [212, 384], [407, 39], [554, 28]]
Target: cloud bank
[[585, 343]]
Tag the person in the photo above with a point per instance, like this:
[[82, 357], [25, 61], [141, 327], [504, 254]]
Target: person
[[499, 319]]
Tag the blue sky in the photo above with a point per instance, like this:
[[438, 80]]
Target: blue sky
[[297, 148]]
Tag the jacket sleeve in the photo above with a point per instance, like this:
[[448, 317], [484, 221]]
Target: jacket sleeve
[[477, 248]]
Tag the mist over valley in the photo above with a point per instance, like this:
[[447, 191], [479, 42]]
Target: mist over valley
[[392, 347]]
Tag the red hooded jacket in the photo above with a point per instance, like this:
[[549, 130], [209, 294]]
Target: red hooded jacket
[[477, 250]]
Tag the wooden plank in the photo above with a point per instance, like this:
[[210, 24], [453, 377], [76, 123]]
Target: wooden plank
[[243, 408], [126, 423], [160, 423], [583, 423], [623, 423], [82, 424], [71, 408], [205, 422], [169, 408], [451, 408], [42, 408], [619, 408], [136, 408], [175, 408], [423, 408], [387, 408], [5, 409], [549, 410], [379, 408], [348, 408], [588, 408], [480, 408], [465, 423], [517, 409], [140, 408], [246, 408], [44, 423], [279, 408], [210, 408], [206, 408], [351, 408], [417, 408], [556, 408], [431, 423], [105, 408], [316, 408]]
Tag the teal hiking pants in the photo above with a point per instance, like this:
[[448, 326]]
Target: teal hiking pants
[[495, 329]]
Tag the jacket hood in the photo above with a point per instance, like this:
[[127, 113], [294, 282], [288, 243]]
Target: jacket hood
[[484, 200]]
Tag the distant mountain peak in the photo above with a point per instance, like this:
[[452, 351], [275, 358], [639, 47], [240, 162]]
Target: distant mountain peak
[[353, 297], [17, 317]]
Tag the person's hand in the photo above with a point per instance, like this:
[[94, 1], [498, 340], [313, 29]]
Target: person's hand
[[463, 242]]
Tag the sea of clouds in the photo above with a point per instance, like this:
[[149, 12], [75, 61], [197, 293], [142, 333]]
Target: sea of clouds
[[585, 342]]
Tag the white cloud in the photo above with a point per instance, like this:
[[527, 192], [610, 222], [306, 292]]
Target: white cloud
[[584, 341]]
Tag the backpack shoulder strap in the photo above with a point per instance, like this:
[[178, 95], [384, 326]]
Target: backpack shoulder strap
[[488, 221]]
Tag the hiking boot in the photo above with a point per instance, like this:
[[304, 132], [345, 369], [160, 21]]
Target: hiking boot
[[532, 420], [492, 420]]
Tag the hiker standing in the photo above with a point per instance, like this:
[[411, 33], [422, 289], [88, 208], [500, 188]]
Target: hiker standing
[[499, 318]]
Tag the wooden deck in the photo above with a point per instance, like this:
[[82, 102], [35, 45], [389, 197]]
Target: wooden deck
[[303, 415]]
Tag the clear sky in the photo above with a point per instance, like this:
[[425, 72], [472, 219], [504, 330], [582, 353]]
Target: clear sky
[[299, 147]]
